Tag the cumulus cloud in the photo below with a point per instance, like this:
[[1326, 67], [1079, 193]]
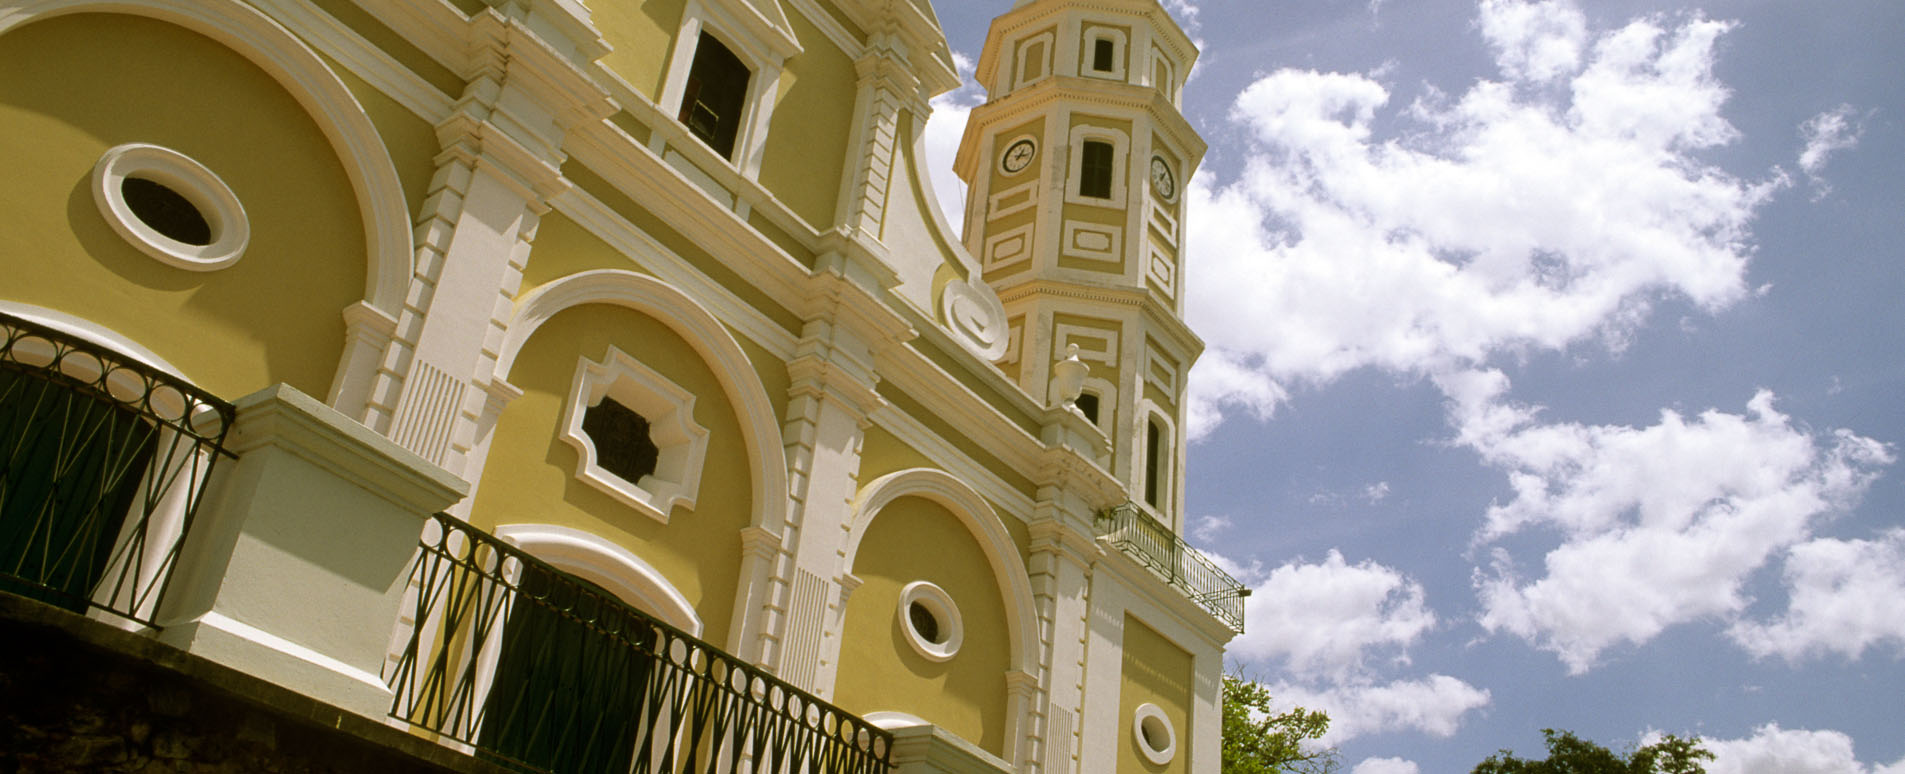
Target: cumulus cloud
[[1847, 596], [1386, 766], [1823, 136], [1433, 705], [1774, 750], [1206, 528], [1331, 619], [941, 137], [1552, 205], [1660, 525]]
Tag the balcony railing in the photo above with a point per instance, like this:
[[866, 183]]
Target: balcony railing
[[536, 669], [1154, 545], [102, 463]]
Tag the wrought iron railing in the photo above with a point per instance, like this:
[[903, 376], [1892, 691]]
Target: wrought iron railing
[[534, 668], [1154, 545], [102, 463]]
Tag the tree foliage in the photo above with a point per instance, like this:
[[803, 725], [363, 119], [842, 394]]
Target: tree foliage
[[1260, 741], [1570, 754]]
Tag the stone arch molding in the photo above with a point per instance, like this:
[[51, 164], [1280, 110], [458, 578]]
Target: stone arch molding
[[760, 428], [972, 510], [330, 105], [608, 565]]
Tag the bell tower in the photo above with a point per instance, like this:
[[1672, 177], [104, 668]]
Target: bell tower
[[1075, 169]]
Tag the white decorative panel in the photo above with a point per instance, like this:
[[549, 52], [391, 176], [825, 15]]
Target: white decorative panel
[[1008, 247], [1092, 241]]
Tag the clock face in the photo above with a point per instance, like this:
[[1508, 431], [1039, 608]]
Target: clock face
[[1161, 179], [1018, 155]]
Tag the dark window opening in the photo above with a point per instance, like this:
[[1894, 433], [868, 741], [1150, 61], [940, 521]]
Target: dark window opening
[[622, 443], [570, 678], [1094, 175], [924, 622], [715, 96], [1102, 52], [1087, 404], [71, 469], [166, 211], [1153, 445]]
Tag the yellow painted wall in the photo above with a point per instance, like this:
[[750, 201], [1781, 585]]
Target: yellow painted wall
[[807, 137], [917, 539], [642, 35], [72, 87], [1156, 671], [530, 474], [397, 46]]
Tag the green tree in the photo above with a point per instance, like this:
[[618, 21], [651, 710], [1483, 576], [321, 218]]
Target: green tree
[[1259, 741], [1570, 754]]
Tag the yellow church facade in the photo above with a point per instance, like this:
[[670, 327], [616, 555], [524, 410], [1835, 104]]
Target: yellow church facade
[[597, 386]]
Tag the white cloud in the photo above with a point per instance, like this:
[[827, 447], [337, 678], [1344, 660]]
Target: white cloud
[[1386, 766], [1774, 750], [942, 134], [1847, 596], [1534, 41], [1433, 705], [1206, 528], [1825, 135], [1328, 620], [1552, 206], [1660, 525]]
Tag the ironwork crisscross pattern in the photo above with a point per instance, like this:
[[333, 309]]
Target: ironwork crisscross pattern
[[102, 463], [507, 656], [1164, 553]]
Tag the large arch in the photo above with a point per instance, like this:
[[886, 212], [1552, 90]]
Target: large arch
[[960, 499], [304, 75], [759, 420]]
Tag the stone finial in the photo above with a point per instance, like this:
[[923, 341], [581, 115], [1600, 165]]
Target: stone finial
[[1068, 378]]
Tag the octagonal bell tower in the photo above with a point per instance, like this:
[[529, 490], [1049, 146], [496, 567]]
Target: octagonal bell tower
[[1075, 169]]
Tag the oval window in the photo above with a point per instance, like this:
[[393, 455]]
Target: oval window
[[170, 207]]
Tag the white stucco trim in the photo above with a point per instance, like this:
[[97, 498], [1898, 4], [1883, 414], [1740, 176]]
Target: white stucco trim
[[329, 103], [952, 626], [608, 565]]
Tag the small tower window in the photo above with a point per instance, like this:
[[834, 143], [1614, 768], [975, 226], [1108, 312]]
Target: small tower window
[[1103, 53], [1094, 179], [1087, 404], [716, 95], [622, 442], [1153, 449]]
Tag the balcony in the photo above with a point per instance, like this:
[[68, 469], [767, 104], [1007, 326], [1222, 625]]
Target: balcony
[[1175, 562], [538, 670], [103, 461]]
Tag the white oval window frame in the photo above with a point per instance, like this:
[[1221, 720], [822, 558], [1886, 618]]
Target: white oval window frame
[[951, 627], [231, 230], [1151, 713]]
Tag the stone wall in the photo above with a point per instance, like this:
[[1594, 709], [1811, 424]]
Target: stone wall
[[77, 695]]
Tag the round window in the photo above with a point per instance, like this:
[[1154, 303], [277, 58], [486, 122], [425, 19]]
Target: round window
[[170, 207], [930, 620], [1154, 734]]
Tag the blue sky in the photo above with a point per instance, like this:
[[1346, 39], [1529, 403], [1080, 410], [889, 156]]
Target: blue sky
[[1554, 367]]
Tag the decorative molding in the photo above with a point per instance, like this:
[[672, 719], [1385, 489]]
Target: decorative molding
[[609, 565], [681, 443]]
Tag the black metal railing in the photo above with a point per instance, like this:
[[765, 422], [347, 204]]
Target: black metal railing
[[102, 463], [1155, 546], [534, 668]]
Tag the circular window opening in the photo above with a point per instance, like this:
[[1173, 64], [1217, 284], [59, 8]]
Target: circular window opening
[[930, 620], [924, 622], [166, 211], [1155, 736], [170, 207]]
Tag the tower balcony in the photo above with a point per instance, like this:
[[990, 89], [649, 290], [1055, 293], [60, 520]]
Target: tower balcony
[[1175, 562]]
